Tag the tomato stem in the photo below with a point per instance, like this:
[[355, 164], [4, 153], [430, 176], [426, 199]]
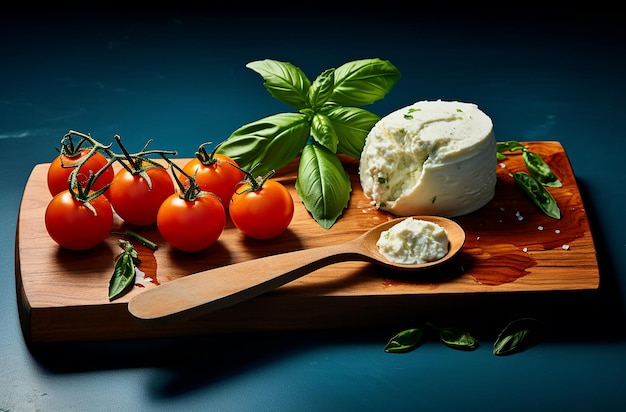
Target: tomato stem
[[255, 183]]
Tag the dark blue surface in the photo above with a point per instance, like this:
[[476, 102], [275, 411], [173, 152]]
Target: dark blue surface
[[179, 77]]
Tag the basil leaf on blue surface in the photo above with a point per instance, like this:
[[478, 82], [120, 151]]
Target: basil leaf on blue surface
[[538, 194], [516, 337], [404, 341], [124, 272], [362, 82], [284, 81], [540, 169], [456, 338], [323, 184]]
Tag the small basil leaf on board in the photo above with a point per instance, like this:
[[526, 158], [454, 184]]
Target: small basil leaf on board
[[509, 146], [323, 132], [352, 124], [322, 184], [516, 337], [362, 82], [321, 89], [540, 169], [124, 271], [284, 81], [404, 341], [537, 193], [456, 338], [271, 142]]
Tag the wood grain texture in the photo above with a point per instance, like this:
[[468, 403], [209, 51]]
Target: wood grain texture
[[511, 247]]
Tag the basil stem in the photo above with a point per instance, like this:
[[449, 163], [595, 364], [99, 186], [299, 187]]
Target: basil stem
[[538, 194], [404, 341], [516, 337], [124, 272], [540, 169], [456, 338]]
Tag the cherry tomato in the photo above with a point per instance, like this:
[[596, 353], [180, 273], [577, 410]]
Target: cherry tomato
[[219, 175], [71, 224], [191, 225], [134, 200], [58, 175], [263, 213]]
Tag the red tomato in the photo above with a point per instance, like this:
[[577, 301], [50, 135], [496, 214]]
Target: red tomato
[[58, 175], [219, 176], [134, 200], [73, 225], [263, 213], [191, 225]]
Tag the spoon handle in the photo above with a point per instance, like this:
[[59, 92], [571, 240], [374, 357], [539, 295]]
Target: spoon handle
[[214, 289]]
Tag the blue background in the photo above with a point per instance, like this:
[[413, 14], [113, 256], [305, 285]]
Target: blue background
[[178, 76]]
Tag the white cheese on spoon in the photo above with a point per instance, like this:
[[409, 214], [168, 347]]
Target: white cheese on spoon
[[413, 241]]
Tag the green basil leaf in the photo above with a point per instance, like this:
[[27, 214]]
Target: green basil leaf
[[321, 89], [509, 146], [540, 169], [352, 124], [458, 339], [323, 132], [363, 82], [404, 341], [516, 337], [322, 184], [284, 81], [124, 272], [538, 194], [271, 142]]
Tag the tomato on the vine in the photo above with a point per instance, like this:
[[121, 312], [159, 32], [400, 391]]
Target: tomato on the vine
[[191, 225], [76, 224], [136, 196], [215, 173], [61, 168], [261, 208]]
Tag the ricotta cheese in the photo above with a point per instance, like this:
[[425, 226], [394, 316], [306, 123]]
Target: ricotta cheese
[[430, 158], [413, 241]]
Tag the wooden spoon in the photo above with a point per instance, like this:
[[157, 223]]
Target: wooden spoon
[[214, 289]]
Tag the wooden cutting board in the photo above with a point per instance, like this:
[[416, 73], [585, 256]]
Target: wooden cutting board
[[511, 249]]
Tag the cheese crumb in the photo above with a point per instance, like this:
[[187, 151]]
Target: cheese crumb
[[413, 241]]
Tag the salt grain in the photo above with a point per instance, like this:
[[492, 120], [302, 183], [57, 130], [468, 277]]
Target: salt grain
[[565, 247]]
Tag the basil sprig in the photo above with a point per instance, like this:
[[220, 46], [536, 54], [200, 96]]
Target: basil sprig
[[534, 183], [328, 122], [124, 272]]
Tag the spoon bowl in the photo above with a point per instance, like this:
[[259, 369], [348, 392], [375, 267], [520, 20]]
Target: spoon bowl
[[217, 288], [456, 240]]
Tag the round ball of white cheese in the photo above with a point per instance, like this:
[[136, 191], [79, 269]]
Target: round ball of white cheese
[[430, 158]]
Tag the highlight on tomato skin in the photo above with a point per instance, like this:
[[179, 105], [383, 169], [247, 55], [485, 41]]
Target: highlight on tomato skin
[[60, 169], [213, 172], [73, 225], [191, 225], [134, 200], [263, 213]]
